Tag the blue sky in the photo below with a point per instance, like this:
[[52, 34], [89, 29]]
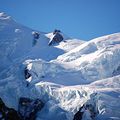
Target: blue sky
[[83, 19]]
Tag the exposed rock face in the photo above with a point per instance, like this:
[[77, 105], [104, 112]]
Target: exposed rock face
[[8, 113], [89, 110], [28, 108], [57, 37]]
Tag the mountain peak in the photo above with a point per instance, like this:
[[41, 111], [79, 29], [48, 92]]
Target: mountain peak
[[56, 74], [4, 16]]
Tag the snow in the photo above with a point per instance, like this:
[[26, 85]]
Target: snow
[[95, 56], [91, 65], [18, 41], [17, 30], [70, 44], [4, 16], [65, 76], [51, 35]]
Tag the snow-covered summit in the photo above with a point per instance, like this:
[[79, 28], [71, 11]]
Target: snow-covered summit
[[4, 16], [67, 43], [91, 61], [65, 76], [16, 43]]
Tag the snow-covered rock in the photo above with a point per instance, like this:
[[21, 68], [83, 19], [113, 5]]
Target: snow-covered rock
[[64, 76], [16, 43], [88, 62], [96, 59]]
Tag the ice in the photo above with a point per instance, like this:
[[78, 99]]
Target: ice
[[65, 76]]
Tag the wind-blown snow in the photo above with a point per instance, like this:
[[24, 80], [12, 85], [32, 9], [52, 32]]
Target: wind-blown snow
[[65, 76]]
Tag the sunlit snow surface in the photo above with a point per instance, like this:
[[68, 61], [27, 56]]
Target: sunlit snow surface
[[64, 76]]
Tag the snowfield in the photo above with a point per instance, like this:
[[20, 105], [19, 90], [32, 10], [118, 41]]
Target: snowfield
[[64, 76]]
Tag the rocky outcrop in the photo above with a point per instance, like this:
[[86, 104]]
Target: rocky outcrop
[[57, 37], [8, 113], [27, 110]]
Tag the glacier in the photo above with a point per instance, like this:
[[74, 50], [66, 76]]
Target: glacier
[[65, 76]]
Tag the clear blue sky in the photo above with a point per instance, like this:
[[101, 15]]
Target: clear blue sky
[[83, 19]]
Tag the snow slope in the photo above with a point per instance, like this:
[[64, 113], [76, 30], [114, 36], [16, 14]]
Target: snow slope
[[68, 43], [16, 43], [61, 102], [96, 59], [91, 61], [65, 76]]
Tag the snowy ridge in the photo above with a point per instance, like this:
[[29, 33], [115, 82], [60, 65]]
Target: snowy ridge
[[71, 97], [97, 63], [65, 76], [95, 56], [4, 16], [16, 43], [51, 35], [70, 44]]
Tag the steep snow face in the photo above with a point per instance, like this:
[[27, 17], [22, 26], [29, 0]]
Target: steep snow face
[[96, 59], [53, 72], [108, 90], [88, 62], [62, 102], [70, 44], [53, 79], [15, 40], [16, 44], [69, 99]]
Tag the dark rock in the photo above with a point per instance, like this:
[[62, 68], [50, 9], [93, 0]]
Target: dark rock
[[8, 113], [28, 108], [56, 31], [1, 104], [26, 73], [36, 35], [12, 115], [79, 114], [117, 71], [56, 39]]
